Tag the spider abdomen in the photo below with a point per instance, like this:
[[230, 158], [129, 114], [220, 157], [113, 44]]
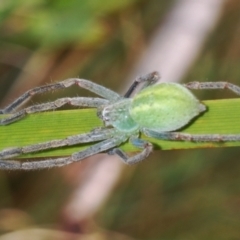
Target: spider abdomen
[[165, 107]]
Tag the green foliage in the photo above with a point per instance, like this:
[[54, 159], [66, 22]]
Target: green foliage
[[222, 117], [57, 23]]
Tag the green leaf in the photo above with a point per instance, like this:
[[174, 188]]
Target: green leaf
[[222, 117]]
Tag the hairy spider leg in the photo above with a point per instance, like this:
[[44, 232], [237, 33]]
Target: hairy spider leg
[[145, 145], [149, 79], [59, 162], [86, 84], [213, 85], [69, 141], [76, 101], [179, 136], [93, 136]]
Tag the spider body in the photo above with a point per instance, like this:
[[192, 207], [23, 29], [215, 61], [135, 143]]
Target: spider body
[[162, 107], [157, 110]]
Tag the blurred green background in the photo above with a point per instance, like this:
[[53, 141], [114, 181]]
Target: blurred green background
[[188, 194]]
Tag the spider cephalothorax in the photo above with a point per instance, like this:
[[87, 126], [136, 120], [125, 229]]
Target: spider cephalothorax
[[118, 116], [157, 110]]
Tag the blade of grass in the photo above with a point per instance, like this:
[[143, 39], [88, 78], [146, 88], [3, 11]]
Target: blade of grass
[[222, 117]]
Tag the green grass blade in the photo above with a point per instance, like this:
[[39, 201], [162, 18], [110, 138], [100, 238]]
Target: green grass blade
[[222, 117]]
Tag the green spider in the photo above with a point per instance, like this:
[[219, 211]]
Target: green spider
[[157, 110]]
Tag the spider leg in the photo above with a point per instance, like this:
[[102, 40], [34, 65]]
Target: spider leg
[[213, 85], [77, 101], [96, 135], [178, 136], [59, 162], [86, 84], [148, 79], [147, 149]]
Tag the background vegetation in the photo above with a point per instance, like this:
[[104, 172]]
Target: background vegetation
[[181, 194]]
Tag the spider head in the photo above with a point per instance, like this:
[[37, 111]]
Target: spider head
[[117, 115]]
